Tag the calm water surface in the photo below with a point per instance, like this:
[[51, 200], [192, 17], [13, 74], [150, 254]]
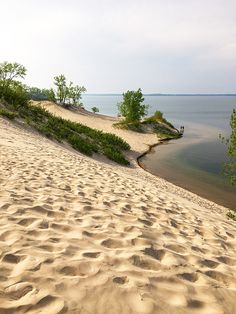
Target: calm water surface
[[195, 161]]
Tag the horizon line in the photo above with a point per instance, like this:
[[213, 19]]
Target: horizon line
[[165, 94]]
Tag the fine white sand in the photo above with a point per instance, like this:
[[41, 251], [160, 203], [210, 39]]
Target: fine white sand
[[80, 235]]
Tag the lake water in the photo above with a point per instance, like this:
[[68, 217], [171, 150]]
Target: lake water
[[194, 161]]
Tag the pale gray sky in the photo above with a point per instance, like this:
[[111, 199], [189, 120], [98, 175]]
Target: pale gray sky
[[182, 46]]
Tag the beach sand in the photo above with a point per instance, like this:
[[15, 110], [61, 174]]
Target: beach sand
[[80, 235]]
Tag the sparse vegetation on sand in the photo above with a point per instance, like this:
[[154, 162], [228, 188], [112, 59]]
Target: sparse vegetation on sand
[[231, 214], [80, 137], [229, 167], [133, 112], [161, 129], [7, 114], [15, 103]]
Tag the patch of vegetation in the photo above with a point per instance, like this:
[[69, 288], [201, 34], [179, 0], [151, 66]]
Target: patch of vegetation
[[133, 126], [80, 137], [95, 109], [67, 94], [132, 108], [229, 167], [231, 215], [38, 94], [154, 124], [163, 132], [158, 117], [15, 102], [7, 114], [115, 155]]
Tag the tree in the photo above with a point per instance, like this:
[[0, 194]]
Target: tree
[[50, 94], [95, 109], [9, 72], [62, 89], [36, 93], [75, 94], [132, 107], [230, 166], [67, 93], [11, 90]]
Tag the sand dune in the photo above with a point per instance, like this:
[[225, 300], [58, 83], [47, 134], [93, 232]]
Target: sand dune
[[139, 142], [81, 236]]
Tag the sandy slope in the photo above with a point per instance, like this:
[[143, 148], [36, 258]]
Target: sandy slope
[[139, 142], [81, 236]]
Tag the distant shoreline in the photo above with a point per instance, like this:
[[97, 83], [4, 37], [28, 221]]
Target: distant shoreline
[[107, 94]]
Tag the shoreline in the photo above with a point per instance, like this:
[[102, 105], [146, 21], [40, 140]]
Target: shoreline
[[161, 141], [201, 188], [81, 235], [138, 142]]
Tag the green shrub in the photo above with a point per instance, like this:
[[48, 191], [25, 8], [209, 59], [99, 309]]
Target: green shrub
[[115, 155], [80, 144], [15, 94], [231, 215], [132, 126], [229, 167], [132, 107], [79, 136], [158, 117], [95, 109], [163, 132], [8, 114], [43, 129]]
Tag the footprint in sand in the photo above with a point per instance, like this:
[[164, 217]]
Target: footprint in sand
[[157, 254], [192, 277], [144, 263], [120, 280], [112, 243], [11, 258], [18, 290], [92, 254]]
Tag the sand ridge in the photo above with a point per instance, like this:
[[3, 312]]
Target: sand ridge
[[81, 236], [139, 142]]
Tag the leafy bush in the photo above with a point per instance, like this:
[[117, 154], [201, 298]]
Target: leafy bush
[[78, 143], [164, 132], [133, 126], [132, 107], [8, 114], [38, 94], [158, 117], [42, 129], [229, 167], [15, 94], [115, 155], [95, 109]]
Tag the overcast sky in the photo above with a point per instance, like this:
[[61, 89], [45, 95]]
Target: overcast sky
[[173, 46]]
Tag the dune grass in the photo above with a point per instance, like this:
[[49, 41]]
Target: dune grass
[[7, 114], [156, 124], [81, 137]]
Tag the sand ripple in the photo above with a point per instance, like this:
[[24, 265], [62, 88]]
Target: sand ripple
[[80, 236]]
